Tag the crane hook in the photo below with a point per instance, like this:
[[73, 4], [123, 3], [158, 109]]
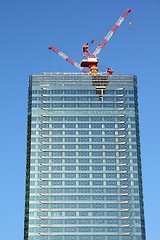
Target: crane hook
[[130, 25]]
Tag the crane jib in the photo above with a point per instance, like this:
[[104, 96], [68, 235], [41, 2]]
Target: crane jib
[[110, 33]]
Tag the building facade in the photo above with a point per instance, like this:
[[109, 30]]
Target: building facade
[[83, 170]]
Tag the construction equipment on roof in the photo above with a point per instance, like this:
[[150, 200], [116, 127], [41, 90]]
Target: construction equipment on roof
[[91, 60]]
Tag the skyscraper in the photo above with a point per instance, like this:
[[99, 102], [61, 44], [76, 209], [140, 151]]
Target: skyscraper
[[83, 170]]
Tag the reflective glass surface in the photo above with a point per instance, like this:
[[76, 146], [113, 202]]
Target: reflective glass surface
[[83, 170]]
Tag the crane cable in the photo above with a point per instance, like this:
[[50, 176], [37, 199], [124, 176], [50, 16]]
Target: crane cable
[[130, 22]]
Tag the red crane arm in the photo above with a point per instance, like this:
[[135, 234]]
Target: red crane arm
[[68, 59], [111, 32]]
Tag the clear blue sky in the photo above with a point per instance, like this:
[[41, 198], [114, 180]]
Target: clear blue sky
[[28, 27]]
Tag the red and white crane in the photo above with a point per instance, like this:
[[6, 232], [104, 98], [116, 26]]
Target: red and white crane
[[91, 60]]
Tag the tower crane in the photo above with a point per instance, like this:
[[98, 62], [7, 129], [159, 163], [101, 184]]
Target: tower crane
[[91, 60]]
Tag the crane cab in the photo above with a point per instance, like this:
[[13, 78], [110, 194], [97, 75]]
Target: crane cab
[[90, 63]]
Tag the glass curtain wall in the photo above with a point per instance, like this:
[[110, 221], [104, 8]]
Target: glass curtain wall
[[83, 170]]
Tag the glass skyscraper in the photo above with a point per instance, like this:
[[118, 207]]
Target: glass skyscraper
[[83, 169]]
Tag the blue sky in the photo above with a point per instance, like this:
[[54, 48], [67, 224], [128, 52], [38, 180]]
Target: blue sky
[[28, 27]]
